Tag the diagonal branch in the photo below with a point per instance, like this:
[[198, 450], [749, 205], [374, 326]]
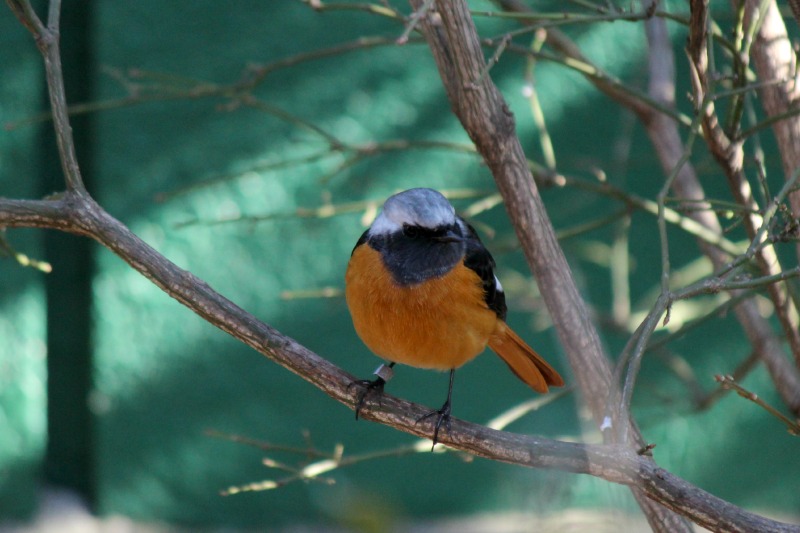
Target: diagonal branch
[[478, 104]]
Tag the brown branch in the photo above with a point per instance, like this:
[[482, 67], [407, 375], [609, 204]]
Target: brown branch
[[480, 107], [664, 134], [486, 118], [729, 154], [774, 59], [728, 382], [47, 40], [665, 137]]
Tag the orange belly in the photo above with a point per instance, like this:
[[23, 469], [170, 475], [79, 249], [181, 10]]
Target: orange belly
[[441, 323]]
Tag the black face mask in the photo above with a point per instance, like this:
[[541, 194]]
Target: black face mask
[[417, 254]]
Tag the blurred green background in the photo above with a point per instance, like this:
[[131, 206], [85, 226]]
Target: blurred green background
[[109, 387]]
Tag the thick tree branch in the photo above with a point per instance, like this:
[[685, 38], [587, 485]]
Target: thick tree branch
[[480, 107], [665, 136], [775, 60]]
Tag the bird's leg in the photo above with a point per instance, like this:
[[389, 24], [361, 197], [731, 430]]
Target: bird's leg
[[368, 387], [444, 413]]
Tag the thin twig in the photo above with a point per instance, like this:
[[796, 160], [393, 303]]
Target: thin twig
[[792, 426], [47, 42], [537, 113], [414, 20], [22, 259]]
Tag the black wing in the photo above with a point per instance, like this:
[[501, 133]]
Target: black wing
[[481, 261]]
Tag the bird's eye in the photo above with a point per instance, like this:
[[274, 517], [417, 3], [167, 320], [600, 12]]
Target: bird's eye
[[411, 232]]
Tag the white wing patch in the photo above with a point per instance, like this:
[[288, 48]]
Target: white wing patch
[[497, 285]]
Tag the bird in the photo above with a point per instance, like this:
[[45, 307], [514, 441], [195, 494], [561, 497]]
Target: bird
[[421, 290]]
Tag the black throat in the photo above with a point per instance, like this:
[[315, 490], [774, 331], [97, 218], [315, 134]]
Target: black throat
[[414, 259]]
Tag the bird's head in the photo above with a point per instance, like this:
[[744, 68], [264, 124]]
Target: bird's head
[[419, 235]]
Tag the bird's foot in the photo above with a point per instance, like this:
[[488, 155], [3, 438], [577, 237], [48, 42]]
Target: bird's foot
[[368, 388], [442, 419]]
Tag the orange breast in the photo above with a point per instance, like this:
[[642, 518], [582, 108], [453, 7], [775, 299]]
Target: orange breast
[[441, 323]]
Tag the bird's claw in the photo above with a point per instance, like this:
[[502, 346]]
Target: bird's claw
[[443, 418], [368, 388]]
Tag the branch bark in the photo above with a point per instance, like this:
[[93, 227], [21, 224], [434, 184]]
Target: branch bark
[[729, 154], [486, 118], [480, 107], [774, 59], [665, 137]]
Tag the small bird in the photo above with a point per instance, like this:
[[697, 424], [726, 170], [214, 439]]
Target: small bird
[[421, 290]]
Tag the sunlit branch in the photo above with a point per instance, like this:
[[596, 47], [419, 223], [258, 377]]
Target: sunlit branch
[[374, 9]]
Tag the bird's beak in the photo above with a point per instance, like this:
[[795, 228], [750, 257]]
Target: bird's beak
[[450, 236]]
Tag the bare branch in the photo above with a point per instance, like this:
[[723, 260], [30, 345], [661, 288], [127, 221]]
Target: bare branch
[[730, 156], [728, 382], [663, 132], [619, 465], [47, 40], [775, 59], [666, 140], [27, 16], [485, 116]]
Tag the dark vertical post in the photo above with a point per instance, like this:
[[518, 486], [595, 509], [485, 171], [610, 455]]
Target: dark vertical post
[[68, 461]]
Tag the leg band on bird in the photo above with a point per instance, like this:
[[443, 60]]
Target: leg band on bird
[[385, 372]]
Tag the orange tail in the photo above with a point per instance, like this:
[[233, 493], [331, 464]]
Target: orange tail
[[523, 361]]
